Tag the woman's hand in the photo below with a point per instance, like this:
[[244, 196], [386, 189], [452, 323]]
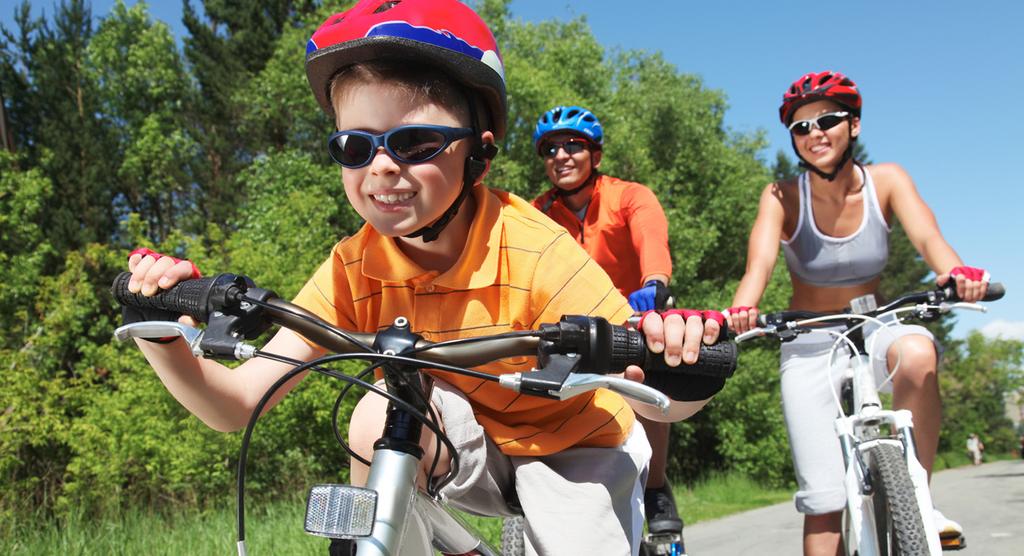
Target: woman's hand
[[971, 282], [741, 319]]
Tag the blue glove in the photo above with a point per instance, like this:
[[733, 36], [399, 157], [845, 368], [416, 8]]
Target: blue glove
[[652, 297]]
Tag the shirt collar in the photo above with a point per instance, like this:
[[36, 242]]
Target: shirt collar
[[477, 267]]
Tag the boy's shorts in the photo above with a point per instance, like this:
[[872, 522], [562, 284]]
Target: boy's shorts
[[809, 409], [578, 501]]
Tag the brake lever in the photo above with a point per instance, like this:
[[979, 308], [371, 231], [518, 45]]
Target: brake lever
[[758, 332], [578, 383], [154, 329], [946, 306]]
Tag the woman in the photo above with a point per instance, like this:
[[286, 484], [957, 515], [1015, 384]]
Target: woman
[[833, 224]]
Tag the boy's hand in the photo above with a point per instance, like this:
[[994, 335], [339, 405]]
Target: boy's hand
[[679, 332], [152, 271]]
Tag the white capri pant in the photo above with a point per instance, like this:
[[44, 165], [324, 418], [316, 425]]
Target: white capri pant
[[809, 409]]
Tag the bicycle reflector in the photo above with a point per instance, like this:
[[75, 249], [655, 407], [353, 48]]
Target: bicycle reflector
[[340, 511]]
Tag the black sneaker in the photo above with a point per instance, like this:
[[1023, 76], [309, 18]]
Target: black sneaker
[[662, 516]]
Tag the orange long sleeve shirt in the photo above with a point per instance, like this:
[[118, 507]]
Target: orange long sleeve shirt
[[624, 230]]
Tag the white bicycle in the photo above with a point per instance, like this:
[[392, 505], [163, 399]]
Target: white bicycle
[[888, 503], [390, 515]]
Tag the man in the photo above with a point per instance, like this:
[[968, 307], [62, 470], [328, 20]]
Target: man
[[623, 227]]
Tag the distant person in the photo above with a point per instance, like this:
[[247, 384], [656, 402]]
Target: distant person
[[833, 225], [974, 448]]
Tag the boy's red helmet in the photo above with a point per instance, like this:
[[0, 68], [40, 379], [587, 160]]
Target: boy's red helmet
[[442, 33], [827, 85]]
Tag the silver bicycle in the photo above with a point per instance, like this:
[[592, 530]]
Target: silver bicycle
[[390, 515], [888, 503]]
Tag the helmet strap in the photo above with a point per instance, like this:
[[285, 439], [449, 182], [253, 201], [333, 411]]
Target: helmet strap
[[475, 166], [591, 179], [830, 176], [570, 192]]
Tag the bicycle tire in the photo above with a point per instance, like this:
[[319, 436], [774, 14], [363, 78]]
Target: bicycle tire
[[898, 520], [513, 536]]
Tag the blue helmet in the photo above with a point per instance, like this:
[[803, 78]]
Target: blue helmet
[[569, 118]]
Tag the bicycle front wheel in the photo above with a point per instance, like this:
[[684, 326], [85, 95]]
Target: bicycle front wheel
[[898, 519]]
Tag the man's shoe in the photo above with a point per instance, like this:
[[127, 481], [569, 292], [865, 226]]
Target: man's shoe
[[662, 516]]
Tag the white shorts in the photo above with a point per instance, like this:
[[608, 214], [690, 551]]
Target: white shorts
[[809, 409], [578, 501]]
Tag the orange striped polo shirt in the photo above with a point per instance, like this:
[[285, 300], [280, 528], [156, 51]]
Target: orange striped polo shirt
[[518, 270], [624, 230]]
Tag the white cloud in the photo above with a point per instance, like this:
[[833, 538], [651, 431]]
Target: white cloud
[[1010, 330]]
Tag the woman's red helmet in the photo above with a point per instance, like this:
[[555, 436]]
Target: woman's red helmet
[[443, 33], [827, 85]]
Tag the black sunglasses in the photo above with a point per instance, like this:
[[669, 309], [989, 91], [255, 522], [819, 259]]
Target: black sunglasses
[[822, 122], [408, 144], [571, 147]]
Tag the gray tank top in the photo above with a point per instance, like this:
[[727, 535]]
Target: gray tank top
[[827, 261]]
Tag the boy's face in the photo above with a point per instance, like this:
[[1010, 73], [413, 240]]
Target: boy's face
[[395, 198], [569, 171]]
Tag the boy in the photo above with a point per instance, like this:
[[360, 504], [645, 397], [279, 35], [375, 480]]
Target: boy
[[417, 89], [623, 227]]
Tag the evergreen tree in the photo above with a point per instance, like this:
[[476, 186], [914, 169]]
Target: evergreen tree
[[228, 44], [54, 112]]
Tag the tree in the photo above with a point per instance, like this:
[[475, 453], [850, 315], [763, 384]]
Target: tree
[[55, 116], [227, 46], [979, 374], [142, 88]]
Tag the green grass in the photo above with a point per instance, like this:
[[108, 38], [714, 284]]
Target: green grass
[[271, 529], [724, 495], [276, 528]]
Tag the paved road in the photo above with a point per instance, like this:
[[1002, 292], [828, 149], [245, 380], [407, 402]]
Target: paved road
[[988, 500]]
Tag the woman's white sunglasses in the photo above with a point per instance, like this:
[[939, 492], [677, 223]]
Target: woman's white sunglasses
[[822, 122]]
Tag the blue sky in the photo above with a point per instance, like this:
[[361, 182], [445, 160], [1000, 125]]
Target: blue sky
[[941, 82]]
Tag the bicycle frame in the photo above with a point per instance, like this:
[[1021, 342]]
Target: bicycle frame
[[406, 520], [858, 433]]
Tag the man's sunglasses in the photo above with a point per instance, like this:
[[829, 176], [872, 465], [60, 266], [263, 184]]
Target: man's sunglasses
[[822, 122], [571, 147], [408, 144]]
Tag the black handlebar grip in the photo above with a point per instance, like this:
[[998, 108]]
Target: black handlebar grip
[[699, 381], [190, 297], [995, 292], [716, 360], [715, 363]]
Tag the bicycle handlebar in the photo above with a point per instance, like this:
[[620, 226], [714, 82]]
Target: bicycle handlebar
[[233, 304], [782, 321]]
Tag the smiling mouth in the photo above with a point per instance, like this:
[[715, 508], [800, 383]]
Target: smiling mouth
[[393, 198]]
